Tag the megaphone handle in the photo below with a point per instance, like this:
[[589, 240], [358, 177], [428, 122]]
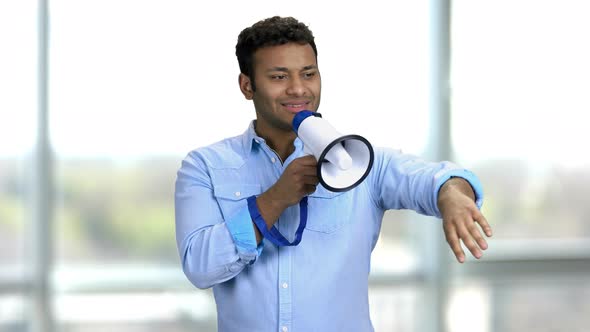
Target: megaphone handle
[[273, 235]]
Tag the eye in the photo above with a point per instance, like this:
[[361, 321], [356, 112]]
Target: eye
[[278, 77], [309, 74]]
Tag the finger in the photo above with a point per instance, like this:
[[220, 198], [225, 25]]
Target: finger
[[310, 189], [299, 166], [309, 171], [453, 241], [483, 223], [311, 180], [467, 239], [308, 160], [476, 234]]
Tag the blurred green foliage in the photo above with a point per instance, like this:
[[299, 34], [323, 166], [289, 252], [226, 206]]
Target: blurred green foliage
[[106, 210], [117, 211]]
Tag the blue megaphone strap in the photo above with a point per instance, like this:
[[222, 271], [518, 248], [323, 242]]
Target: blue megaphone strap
[[273, 235]]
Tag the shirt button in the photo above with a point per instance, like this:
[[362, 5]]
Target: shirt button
[[273, 159], [285, 285], [284, 329], [238, 194]]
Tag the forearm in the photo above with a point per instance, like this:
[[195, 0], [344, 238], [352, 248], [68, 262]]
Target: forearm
[[270, 209]]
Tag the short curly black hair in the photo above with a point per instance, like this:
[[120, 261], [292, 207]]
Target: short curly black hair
[[272, 31]]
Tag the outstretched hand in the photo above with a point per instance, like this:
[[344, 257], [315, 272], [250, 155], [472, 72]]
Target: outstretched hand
[[461, 218]]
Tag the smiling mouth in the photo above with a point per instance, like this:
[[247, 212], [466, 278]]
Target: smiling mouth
[[296, 107]]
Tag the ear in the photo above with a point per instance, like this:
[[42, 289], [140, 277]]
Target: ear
[[246, 86]]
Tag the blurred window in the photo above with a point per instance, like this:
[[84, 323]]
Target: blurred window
[[18, 109], [538, 304], [520, 80], [394, 308], [12, 312], [118, 312]]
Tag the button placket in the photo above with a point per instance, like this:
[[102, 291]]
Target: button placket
[[285, 295]]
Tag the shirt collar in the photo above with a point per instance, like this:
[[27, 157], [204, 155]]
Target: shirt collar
[[250, 137]]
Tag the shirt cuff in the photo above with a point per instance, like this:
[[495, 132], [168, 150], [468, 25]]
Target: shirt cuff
[[241, 230], [467, 176]]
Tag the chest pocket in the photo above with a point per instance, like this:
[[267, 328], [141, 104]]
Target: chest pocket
[[231, 198], [328, 211]]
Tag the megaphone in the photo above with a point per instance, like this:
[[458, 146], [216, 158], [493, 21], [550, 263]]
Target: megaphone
[[344, 161]]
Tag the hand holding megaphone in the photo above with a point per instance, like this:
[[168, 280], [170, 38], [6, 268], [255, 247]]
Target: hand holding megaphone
[[297, 181], [343, 161]]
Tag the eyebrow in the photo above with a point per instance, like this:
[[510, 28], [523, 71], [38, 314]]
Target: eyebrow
[[285, 69]]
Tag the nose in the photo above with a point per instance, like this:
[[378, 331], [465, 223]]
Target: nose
[[296, 87]]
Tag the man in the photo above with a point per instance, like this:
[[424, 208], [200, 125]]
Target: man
[[228, 192]]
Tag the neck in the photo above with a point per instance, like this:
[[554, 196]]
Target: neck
[[281, 141]]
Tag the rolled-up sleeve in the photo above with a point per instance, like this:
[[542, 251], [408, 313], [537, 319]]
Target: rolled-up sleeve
[[212, 250], [242, 231]]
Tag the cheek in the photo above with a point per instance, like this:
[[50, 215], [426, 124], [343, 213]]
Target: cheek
[[264, 101], [271, 97], [315, 87]]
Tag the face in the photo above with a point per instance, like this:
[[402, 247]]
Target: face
[[287, 81]]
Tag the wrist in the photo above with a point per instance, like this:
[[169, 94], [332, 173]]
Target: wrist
[[456, 185], [270, 208], [266, 229], [271, 201], [451, 190]]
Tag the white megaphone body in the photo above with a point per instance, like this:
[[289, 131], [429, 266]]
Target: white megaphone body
[[344, 161]]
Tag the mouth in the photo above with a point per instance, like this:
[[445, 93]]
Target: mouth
[[296, 106]]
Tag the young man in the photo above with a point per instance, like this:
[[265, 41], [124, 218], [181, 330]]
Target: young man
[[226, 193]]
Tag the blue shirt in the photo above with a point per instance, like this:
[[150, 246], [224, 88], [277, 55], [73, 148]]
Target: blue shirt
[[319, 285]]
